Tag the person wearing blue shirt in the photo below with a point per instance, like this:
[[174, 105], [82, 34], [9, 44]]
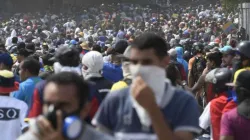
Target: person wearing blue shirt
[[29, 70], [180, 59], [151, 108]]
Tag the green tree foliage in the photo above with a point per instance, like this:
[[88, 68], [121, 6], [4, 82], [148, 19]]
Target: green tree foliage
[[230, 5]]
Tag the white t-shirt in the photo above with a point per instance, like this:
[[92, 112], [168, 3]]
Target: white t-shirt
[[205, 120], [12, 115]]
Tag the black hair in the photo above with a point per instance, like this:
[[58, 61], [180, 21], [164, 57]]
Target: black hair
[[23, 52], [32, 65], [173, 73], [151, 41], [14, 40], [34, 56], [2, 47], [20, 45], [97, 48], [67, 78], [46, 59], [216, 58]]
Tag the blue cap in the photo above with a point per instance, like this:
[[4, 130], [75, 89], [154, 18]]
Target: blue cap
[[226, 49], [6, 59], [186, 32], [73, 42]]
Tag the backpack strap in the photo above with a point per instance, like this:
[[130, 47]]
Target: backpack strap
[[127, 81]]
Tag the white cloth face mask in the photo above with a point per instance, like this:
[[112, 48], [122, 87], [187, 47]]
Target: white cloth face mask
[[155, 78]]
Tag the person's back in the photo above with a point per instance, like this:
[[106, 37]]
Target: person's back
[[26, 89], [239, 126], [12, 116], [29, 70], [180, 59], [12, 111]]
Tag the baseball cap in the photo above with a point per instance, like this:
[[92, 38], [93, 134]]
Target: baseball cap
[[73, 42], [7, 82], [241, 78], [227, 50], [67, 56], [126, 54], [119, 47], [6, 59]]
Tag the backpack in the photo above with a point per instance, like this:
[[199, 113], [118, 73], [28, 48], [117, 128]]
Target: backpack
[[197, 68]]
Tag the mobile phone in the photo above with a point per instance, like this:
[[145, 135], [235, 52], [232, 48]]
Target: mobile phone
[[51, 116]]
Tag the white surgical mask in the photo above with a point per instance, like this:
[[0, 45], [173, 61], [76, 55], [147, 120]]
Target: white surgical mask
[[155, 78]]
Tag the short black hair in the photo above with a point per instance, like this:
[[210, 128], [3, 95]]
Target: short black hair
[[32, 65], [216, 58], [67, 78], [14, 40], [151, 41], [23, 52], [97, 48], [20, 45]]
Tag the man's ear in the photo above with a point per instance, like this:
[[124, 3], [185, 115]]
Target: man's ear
[[85, 110]]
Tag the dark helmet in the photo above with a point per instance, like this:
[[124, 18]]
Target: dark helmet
[[197, 47], [244, 48], [187, 55], [219, 77]]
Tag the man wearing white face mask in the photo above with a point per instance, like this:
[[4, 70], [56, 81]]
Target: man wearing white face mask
[[91, 70], [151, 108]]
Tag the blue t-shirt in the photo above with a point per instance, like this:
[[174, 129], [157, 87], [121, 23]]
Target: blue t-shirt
[[118, 115], [26, 89]]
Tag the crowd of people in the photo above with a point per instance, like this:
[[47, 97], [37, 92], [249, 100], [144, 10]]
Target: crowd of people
[[125, 72]]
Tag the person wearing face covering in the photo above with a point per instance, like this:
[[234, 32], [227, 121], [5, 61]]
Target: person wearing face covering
[[92, 64], [127, 77], [151, 108]]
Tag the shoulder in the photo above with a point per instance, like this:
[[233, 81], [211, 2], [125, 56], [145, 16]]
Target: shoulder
[[192, 60], [182, 95], [15, 102], [91, 133], [118, 94], [232, 113], [119, 85]]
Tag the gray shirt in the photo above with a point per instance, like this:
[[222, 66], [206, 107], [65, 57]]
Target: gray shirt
[[89, 134]]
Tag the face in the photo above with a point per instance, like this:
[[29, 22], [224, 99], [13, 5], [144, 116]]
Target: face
[[227, 59], [210, 64], [63, 97], [147, 57], [23, 72]]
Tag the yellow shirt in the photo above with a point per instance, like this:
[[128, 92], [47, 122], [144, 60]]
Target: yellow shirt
[[119, 85]]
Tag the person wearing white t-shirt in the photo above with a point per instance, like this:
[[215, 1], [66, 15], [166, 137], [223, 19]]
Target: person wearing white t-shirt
[[12, 111]]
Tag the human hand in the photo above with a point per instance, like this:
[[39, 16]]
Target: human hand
[[143, 94], [47, 132], [205, 71]]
